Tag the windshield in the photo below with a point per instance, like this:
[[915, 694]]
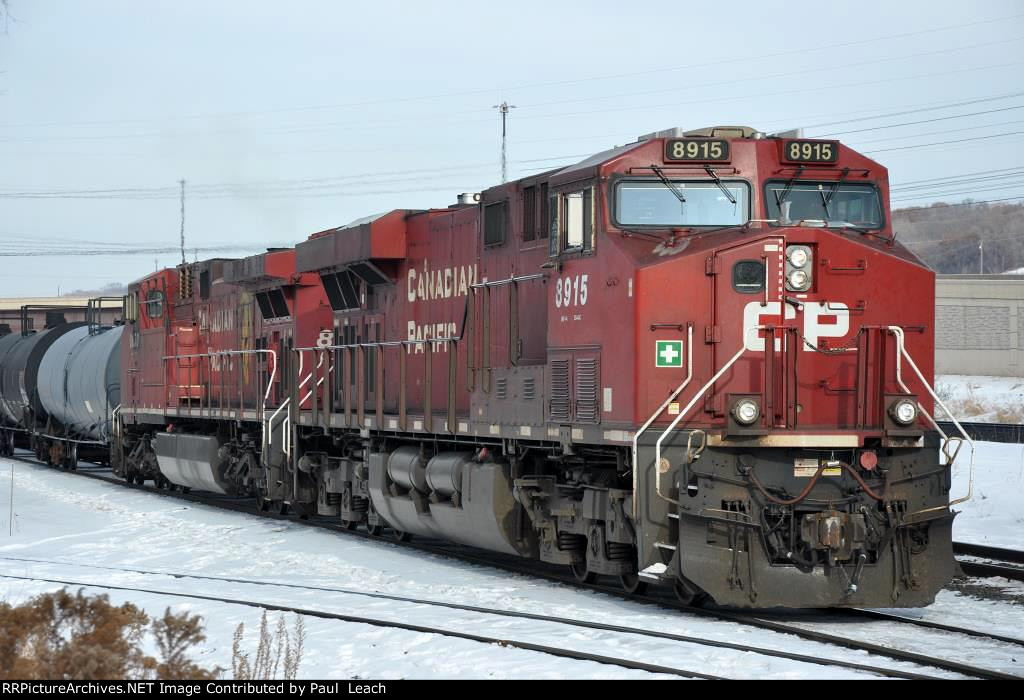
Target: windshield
[[856, 205], [652, 203]]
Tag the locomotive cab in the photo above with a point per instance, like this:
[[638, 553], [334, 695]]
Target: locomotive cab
[[785, 452]]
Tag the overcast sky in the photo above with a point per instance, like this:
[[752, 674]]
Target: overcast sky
[[287, 118]]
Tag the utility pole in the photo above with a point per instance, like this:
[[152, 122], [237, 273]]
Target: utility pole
[[182, 182], [981, 257], [503, 108]]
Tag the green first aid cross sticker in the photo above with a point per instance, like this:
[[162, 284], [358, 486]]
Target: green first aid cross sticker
[[669, 353]]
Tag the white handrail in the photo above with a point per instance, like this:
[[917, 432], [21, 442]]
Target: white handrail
[[273, 367], [657, 413], [902, 350], [682, 414]]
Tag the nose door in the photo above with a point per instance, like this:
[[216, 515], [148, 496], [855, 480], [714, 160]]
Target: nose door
[[751, 312]]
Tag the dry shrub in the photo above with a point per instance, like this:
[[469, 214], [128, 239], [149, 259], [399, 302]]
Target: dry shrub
[[277, 651], [1010, 414], [60, 636]]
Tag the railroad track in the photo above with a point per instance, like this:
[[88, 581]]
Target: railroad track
[[998, 562], [988, 432], [393, 624], [554, 574], [570, 622]]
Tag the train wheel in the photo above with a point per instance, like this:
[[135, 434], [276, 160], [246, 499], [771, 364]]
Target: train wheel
[[281, 507], [688, 596], [262, 502], [632, 584], [401, 536], [349, 524], [579, 571], [374, 530]]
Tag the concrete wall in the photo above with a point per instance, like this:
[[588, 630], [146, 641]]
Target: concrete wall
[[979, 325]]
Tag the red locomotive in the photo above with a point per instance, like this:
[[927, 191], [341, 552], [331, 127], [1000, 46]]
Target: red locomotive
[[701, 359]]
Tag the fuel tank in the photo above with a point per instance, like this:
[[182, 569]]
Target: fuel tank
[[450, 496], [19, 371], [193, 461], [79, 380]]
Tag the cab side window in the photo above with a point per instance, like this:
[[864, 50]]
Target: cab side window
[[572, 221]]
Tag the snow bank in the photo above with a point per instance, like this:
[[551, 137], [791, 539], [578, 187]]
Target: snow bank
[[982, 399]]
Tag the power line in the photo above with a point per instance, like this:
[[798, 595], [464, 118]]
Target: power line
[[980, 172], [961, 204], [943, 143], [719, 61], [921, 121], [915, 111], [768, 77], [951, 193]]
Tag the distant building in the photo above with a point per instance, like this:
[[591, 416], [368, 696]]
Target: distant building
[[979, 325], [44, 312]]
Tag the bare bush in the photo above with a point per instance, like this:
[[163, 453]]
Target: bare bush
[[60, 636], [278, 651]]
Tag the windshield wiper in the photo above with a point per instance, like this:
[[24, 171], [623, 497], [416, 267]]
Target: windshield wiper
[[779, 199], [847, 224], [835, 188], [718, 181], [668, 183]]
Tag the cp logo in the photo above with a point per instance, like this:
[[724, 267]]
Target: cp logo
[[820, 321]]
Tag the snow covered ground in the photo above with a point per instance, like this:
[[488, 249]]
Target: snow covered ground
[[73, 527], [982, 399], [995, 513]]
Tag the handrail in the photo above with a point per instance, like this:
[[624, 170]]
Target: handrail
[[217, 353], [662, 407], [270, 421], [682, 414], [114, 427], [510, 280], [902, 350]]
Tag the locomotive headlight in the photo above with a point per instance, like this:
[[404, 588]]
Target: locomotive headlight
[[798, 257], [746, 411], [799, 280], [903, 411]]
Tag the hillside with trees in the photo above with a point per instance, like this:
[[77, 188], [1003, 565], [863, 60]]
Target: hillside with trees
[[947, 236]]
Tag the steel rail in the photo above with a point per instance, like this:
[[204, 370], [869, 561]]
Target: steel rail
[[988, 570], [792, 656], [903, 619], [990, 432], [988, 551]]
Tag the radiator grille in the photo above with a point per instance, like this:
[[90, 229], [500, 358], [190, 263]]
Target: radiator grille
[[587, 408], [502, 388], [558, 406]]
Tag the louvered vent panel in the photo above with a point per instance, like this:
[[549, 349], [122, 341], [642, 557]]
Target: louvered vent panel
[[558, 406], [502, 388], [586, 390], [529, 389]]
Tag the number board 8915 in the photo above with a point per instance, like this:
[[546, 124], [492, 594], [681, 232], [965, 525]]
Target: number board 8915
[[700, 150], [810, 151]]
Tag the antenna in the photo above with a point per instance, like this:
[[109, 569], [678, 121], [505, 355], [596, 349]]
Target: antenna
[[182, 183], [503, 108]]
